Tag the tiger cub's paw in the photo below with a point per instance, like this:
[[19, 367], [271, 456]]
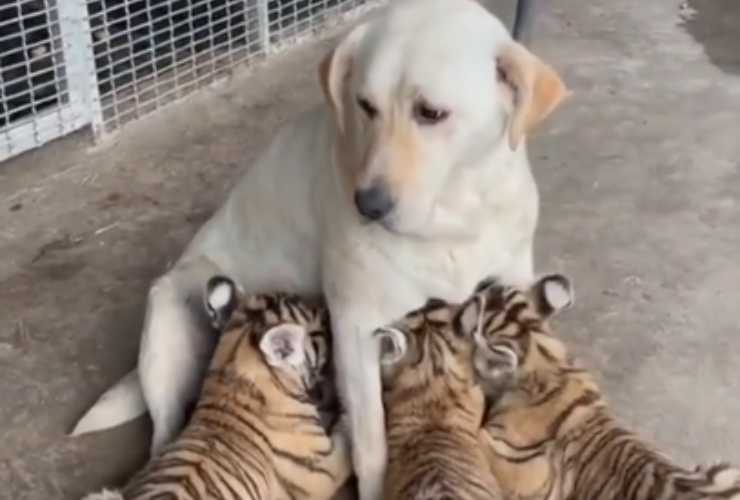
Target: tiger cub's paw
[[495, 368], [221, 299]]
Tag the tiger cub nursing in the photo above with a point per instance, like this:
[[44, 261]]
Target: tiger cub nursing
[[433, 406], [548, 432], [256, 432]]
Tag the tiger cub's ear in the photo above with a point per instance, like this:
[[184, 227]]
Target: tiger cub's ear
[[468, 320], [551, 294], [221, 300], [283, 345], [392, 344]]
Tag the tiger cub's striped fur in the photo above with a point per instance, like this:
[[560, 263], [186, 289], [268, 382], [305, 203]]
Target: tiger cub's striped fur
[[433, 407], [256, 431], [549, 432]]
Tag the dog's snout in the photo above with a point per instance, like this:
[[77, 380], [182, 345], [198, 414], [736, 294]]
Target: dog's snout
[[374, 202]]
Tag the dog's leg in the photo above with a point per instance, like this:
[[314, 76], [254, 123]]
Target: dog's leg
[[176, 346], [358, 380], [521, 271]]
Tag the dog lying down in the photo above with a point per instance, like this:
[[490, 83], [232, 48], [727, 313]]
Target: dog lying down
[[410, 181]]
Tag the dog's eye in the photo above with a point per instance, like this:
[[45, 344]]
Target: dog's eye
[[427, 115], [370, 110]]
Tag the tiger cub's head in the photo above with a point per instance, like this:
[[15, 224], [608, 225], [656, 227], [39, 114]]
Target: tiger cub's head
[[270, 337], [426, 357], [518, 350]]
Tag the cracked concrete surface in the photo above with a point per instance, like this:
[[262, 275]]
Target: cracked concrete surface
[[640, 180]]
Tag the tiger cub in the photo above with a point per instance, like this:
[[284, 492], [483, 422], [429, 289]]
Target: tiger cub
[[256, 431], [433, 407], [548, 432]]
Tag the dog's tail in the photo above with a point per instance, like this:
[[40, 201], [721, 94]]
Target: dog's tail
[[104, 495], [119, 404]]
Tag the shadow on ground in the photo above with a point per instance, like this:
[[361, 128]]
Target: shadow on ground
[[715, 24]]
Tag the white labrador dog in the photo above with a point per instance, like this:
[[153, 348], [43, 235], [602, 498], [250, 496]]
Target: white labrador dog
[[413, 181]]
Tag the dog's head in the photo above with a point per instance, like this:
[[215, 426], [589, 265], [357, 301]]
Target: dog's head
[[422, 91]]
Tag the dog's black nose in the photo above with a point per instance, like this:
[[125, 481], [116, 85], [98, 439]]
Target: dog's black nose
[[374, 202]]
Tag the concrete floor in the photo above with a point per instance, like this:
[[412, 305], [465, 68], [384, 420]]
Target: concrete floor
[[640, 185]]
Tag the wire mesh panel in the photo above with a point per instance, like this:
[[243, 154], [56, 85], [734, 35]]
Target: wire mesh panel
[[35, 102], [289, 19], [151, 52], [65, 64]]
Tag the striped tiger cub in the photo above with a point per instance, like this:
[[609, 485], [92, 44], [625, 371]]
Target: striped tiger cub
[[256, 431], [548, 432], [433, 406]]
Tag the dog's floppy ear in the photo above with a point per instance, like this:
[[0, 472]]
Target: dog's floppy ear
[[536, 87], [335, 69]]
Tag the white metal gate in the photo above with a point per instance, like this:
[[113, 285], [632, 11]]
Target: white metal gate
[[40, 96], [65, 64]]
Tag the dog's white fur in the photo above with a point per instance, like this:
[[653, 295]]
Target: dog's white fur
[[465, 207]]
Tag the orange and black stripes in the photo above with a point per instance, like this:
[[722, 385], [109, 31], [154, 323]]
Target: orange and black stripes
[[548, 433], [256, 432], [434, 410]]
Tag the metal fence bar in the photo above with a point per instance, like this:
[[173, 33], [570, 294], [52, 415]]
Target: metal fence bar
[[263, 25], [524, 19], [36, 102], [79, 62], [43, 128]]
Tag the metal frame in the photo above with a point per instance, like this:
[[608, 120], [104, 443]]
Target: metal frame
[[79, 62], [263, 11], [259, 33], [65, 117]]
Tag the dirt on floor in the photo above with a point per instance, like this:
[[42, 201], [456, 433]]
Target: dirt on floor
[[640, 184]]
